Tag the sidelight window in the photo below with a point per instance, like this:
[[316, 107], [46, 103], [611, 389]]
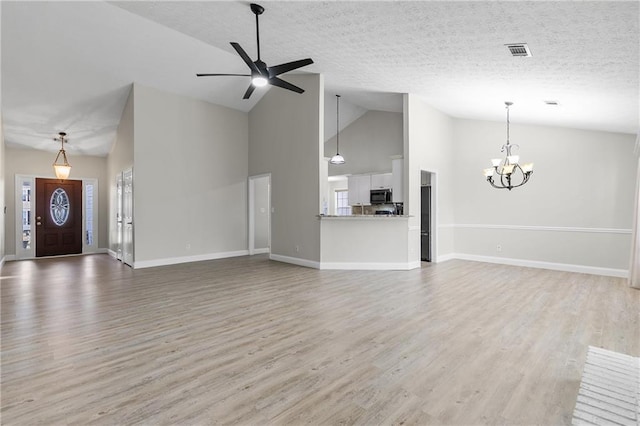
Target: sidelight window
[[26, 215]]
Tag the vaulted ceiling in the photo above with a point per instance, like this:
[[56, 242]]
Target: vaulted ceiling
[[69, 65]]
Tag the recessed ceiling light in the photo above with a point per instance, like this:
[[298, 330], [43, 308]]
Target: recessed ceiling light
[[519, 49]]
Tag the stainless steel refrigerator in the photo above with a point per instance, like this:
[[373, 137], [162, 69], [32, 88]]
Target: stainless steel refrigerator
[[425, 224]]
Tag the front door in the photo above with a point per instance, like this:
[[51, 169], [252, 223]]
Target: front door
[[58, 217]]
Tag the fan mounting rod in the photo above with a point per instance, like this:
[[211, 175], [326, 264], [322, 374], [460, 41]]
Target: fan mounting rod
[[257, 10]]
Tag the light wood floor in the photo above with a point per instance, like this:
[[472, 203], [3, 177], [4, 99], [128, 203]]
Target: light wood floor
[[86, 340]]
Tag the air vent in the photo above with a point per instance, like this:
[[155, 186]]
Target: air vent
[[552, 103], [519, 49]]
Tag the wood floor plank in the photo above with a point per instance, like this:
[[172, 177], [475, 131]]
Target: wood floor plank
[[87, 340]]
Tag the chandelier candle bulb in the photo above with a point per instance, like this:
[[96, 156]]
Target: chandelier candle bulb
[[507, 169]]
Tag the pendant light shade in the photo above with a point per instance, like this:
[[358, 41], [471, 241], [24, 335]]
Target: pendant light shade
[[61, 166], [337, 159]]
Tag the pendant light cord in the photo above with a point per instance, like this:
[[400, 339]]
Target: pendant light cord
[[337, 124]]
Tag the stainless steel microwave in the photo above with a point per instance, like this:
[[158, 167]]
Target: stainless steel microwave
[[380, 196]]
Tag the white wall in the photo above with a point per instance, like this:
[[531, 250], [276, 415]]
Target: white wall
[[285, 139], [578, 205], [38, 163], [190, 179], [120, 158], [368, 143], [429, 147]]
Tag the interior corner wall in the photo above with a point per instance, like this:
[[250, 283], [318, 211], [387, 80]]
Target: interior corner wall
[[577, 209], [285, 139], [38, 163], [368, 143], [428, 146], [3, 203], [260, 213], [190, 179], [120, 158]]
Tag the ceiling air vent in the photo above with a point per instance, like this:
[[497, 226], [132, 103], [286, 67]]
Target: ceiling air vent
[[519, 49], [552, 103]]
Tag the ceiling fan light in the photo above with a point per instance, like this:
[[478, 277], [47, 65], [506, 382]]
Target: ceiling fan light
[[259, 81], [337, 159]]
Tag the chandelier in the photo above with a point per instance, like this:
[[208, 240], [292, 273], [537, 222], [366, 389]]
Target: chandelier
[[508, 172], [62, 169]]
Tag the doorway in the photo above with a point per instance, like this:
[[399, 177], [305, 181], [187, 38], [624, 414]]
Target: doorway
[[427, 215], [259, 214], [58, 217], [127, 216]]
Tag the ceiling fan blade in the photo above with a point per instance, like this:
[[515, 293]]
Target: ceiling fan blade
[[275, 81], [214, 75], [249, 91], [289, 66], [245, 57]]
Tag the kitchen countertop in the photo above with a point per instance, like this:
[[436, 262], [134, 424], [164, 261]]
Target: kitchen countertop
[[363, 216]]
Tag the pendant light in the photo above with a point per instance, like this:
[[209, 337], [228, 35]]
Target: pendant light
[[62, 169], [337, 159]]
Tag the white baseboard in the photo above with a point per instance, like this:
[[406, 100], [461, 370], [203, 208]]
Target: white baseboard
[[593, 270], [112, 253], [371, 266], [9, 258], [445, 257], [295, 261], [261, 250], [187, 259], [2, 261]]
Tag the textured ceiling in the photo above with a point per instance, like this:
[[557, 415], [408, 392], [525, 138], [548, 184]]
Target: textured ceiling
[[452, 54]]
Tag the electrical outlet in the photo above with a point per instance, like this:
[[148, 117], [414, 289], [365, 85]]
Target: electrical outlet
[[297, 249], [498, 248], [188, 246]]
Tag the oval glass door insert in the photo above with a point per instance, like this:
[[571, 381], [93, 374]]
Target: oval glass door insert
[[59, 206]]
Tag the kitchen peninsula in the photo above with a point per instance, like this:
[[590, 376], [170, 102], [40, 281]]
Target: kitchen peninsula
[[365, 242]]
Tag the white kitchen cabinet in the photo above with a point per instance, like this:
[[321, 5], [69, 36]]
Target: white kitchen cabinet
[[359, 190], [397, 180], [381, 181]]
